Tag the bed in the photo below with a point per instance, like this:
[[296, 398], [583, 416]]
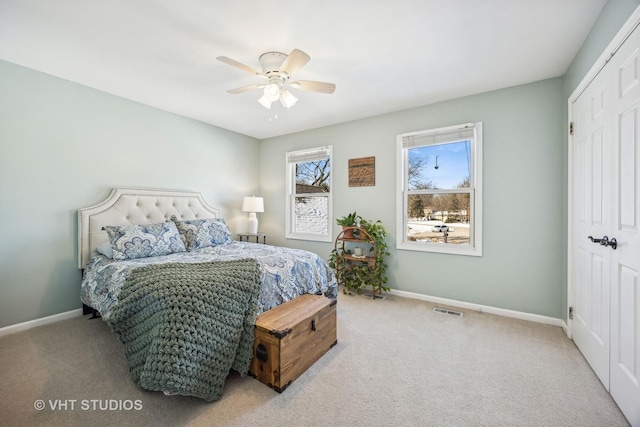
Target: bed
[[161, 267]]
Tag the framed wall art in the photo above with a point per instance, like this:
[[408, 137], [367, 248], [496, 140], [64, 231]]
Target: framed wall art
[[362, 172]]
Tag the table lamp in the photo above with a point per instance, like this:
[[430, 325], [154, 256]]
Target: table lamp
[[252, 205]]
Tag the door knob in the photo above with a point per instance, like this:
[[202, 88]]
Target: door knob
[[613, 243]]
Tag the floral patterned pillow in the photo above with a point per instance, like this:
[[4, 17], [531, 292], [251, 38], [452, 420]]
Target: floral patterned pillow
[[200, 233], [141, 241]]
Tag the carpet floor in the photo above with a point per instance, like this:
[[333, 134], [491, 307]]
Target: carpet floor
[[397, 363]]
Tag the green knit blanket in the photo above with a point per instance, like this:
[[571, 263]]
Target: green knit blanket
[[184, 326]]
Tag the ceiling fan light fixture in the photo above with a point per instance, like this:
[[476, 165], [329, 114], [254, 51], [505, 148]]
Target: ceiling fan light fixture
[[278, 68], [265, 102], [287, 99], [272, 92]]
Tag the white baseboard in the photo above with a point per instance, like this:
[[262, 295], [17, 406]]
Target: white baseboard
[[481, 308], [19, 327]]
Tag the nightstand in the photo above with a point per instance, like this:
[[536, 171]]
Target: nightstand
[[247, 236]]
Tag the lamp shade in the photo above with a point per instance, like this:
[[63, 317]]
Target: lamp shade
[[272, 92], [253, 204], [264, 101], [287, 99]]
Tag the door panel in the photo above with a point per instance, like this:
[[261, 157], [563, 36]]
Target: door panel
[[597, 177], [599, 325], [580, 207], [628, 194], [627, 289]]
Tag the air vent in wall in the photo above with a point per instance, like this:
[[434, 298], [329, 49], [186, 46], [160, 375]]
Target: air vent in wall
[[445, 311]]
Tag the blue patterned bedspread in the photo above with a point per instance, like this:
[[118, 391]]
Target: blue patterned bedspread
[[285, 273]]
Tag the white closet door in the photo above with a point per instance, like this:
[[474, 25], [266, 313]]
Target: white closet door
[[625, 228], [591, 199], [605, 201]]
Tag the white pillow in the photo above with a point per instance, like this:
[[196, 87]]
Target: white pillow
[[105, 249]]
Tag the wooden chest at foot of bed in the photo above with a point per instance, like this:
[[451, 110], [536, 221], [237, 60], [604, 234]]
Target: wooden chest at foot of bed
[[291, 337]]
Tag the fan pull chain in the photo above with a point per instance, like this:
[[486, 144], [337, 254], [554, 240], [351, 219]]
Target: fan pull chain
[[273, 112]]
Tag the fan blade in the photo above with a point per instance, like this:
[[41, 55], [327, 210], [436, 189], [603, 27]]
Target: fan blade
[[245, 88], [313, 86], [237, 64], [294, 62]]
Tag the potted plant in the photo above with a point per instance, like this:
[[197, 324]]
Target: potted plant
[[348, 222], [378, 233], [371, 272]]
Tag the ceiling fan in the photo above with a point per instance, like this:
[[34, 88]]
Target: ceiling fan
[[277, 69]]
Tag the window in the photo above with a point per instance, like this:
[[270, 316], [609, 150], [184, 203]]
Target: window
[[439, 195], [309, 204]]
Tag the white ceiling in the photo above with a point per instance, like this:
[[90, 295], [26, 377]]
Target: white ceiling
[[383, 56]]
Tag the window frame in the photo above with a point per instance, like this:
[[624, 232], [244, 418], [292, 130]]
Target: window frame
[[291, 194], [440, 137]]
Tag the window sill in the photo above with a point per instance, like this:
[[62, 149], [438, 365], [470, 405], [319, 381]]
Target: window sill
[[310, 237], [440, 248]]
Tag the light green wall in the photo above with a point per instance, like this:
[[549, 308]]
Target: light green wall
[[63, 146], [522, 262]]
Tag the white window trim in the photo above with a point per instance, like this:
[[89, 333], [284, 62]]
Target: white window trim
[[290, 206], [475, 247]]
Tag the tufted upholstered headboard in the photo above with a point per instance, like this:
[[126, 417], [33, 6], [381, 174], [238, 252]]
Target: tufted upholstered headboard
[[126, 206]]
